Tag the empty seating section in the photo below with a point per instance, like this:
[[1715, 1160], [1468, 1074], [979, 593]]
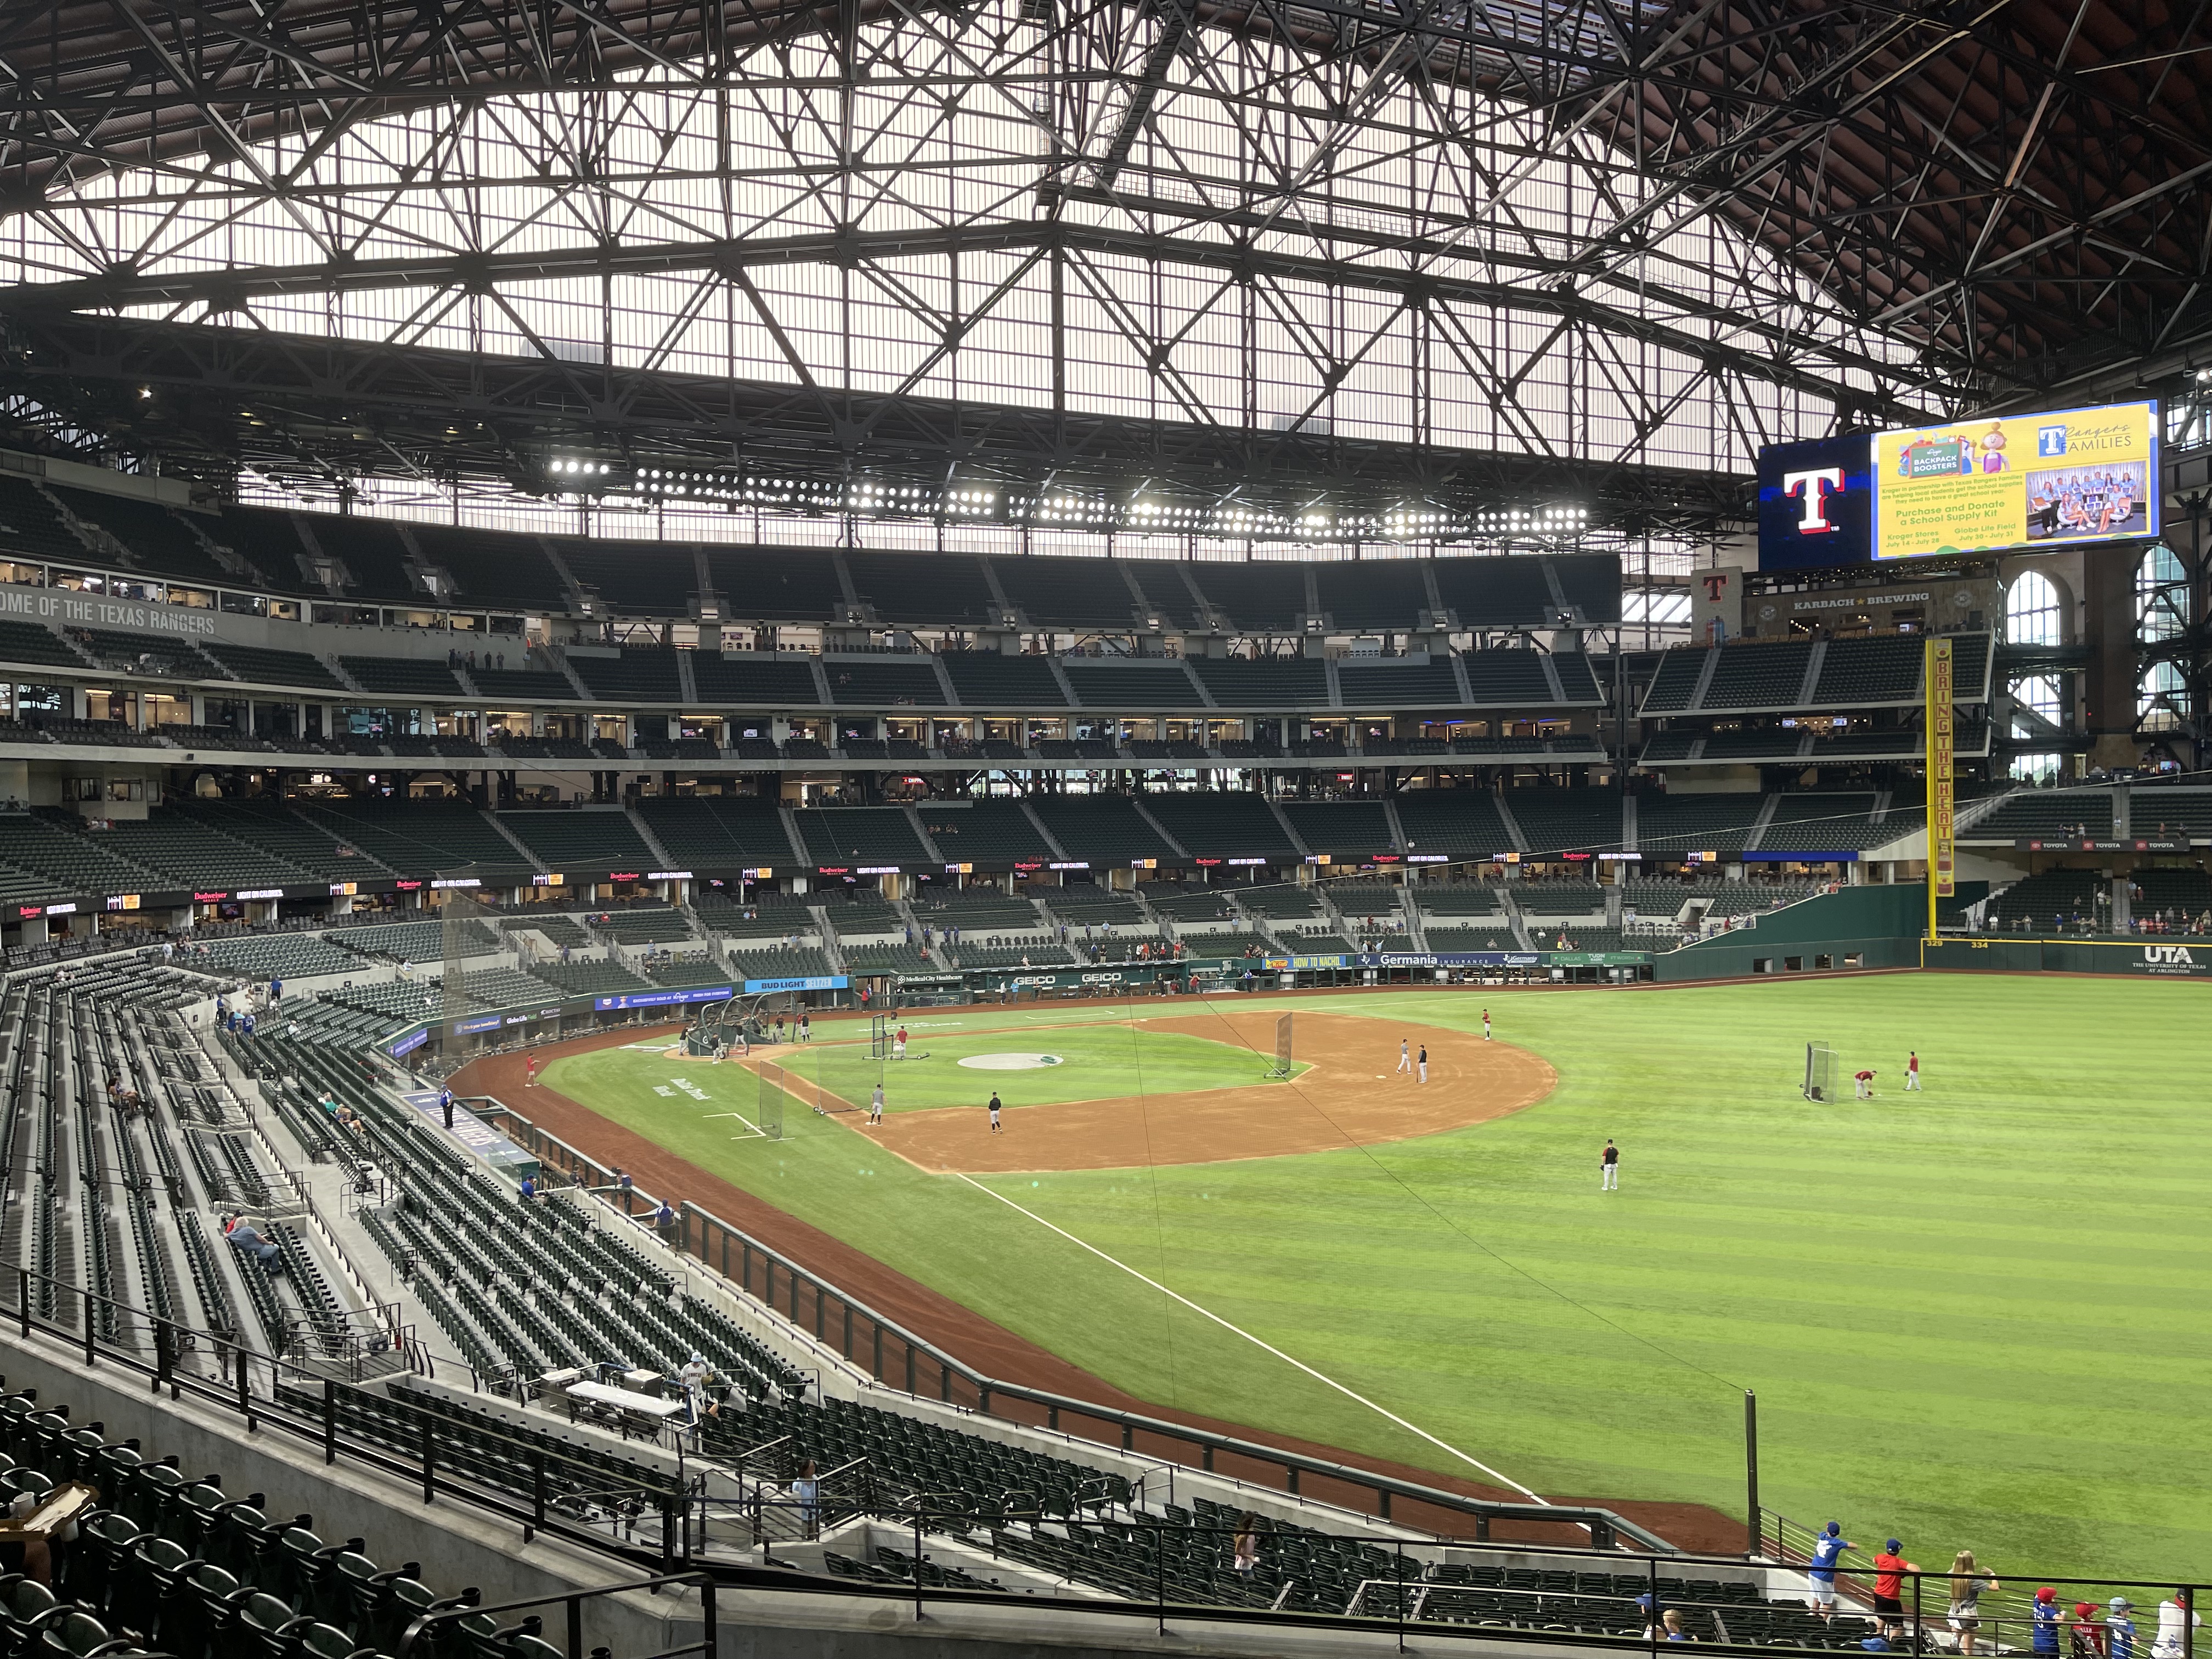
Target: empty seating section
[[1145, 686], [1078, 593], [418, 941], [2049, 900], [421, 837], [1101, 827], [1513, 679], [1674, 687], [277, 956], [273, 830], [773, 682], [1387, 595], [1496, 592], [772, 584], [983, 829], [1822, 822], [1256, 598], [895, 958], [173, 1562], [1564, 820], [373, 555], [1590, 583], [30, 525], [783, 962], [23, 641], [715, 832], [1578, 677], [1400, 685], [153, 537], [263, 667], [921, 588], [1457, 898], [1187, 904], [140, 654], [409, 677], [629, 675], [884, 682], [1349, 829], [1223, 824], [503, 685], [664, 926], [2164, 812], [988, 679], [597, 978], [2047, 814], [1460, 824], [1263, 682], [582, 840], [1758, 676], [1855, 672], [1094, 907], [1674, 824], [639, 579], [1558, 897], [191, 855], [862, 834], [492, 568], [43, 853], [268, 541]]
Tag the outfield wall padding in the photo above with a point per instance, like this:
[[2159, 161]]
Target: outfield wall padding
[[2179, 955], [1881, 926]]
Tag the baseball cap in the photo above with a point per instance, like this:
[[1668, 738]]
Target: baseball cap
[[1644, 1601], [2047, 1593], [1894, 1544], [2121, 1604], [2083, 1609], [1835, 1529]]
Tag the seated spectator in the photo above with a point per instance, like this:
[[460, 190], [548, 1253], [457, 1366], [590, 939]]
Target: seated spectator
[[244, 1236]]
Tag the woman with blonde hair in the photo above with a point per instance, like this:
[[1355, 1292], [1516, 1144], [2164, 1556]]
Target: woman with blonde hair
[[1968, 1582]]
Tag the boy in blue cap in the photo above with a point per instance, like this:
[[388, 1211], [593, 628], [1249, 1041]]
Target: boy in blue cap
[[1827, 1550]]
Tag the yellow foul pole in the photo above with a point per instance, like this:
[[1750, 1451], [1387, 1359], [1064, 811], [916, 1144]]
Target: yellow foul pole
[[1942, 873]]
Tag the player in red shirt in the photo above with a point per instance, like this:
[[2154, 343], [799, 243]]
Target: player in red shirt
[[1865, 1082], [530, 1072], [1912, 1072]]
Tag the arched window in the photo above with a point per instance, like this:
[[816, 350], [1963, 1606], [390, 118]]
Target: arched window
[[2032, 610], [2037, 694], [2161, 596], [2161, 698]]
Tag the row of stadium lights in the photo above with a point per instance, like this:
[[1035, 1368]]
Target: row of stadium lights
[[1080, 511]]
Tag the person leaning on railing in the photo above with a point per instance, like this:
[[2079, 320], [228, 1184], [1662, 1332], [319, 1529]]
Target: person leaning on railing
[[1969, 1582]]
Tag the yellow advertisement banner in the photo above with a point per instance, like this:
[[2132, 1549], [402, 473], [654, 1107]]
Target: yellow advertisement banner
[[2028, 481], [1943, 850]]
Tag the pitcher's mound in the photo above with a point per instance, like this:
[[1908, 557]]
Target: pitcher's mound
[[1009, 1062]]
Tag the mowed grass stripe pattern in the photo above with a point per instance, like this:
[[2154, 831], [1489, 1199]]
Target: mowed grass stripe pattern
[[1974, 1316]]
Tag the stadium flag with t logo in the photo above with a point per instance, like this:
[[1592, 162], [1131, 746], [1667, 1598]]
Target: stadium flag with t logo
[[1943, 873]]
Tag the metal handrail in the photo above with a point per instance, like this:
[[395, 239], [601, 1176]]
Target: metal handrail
[[1605, 1525], [573, 1603]]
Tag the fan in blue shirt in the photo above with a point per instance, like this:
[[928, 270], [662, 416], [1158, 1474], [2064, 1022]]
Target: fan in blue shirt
[[1827, 1549]]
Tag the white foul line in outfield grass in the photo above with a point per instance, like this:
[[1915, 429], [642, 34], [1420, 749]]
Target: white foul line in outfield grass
[[1207, 1313]]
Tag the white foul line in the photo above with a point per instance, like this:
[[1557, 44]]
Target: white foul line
[[1382, 1411]]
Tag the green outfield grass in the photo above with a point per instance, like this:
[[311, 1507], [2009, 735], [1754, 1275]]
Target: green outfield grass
[[1097, 1062], [1975, 1318]]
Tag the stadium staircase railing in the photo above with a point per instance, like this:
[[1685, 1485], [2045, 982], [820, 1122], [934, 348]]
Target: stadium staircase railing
[[895, 1356], [1171, 1566]]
